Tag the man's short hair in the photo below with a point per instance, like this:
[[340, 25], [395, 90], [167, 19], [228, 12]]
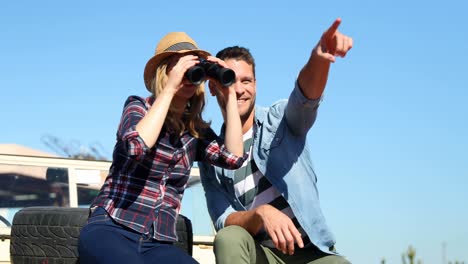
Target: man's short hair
[[237, 53]]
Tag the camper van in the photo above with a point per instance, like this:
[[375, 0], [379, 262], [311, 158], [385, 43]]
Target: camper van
[[51, 189]]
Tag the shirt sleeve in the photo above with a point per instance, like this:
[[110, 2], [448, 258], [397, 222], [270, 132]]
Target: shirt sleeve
[[134, 110], [215, 152], [301, 112]]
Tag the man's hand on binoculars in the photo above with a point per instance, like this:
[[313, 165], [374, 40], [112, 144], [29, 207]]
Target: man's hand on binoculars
[[216, 88], [221, 92]]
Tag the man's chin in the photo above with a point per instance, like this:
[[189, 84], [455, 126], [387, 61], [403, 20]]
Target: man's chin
[[245, 116], [245, 111]]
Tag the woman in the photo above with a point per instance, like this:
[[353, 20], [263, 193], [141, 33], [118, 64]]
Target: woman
[[133, 218]]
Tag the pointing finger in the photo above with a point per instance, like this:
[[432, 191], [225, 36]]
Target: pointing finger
[[333, 28]]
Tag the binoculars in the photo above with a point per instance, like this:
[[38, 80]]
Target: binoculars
[[197, 74]]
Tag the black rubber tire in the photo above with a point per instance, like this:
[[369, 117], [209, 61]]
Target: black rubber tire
[[46, 235], [184, 234], [50, 235]]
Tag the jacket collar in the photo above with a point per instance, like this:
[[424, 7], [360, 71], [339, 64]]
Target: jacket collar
[[260, 114]]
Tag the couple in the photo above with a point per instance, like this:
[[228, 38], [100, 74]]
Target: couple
[[257, 174]]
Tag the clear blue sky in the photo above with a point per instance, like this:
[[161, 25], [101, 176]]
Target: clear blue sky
[[390, 143]]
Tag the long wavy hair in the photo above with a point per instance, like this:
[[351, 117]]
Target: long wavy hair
[[191, 120]]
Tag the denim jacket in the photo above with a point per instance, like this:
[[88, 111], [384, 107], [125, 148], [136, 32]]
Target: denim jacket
[[281, 153]]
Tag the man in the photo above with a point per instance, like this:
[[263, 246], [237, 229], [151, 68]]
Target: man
[[268, 211]]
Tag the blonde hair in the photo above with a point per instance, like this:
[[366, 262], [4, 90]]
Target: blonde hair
[[191, 120]]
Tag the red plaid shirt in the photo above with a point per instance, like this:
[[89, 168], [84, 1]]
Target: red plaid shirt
[[145, 186]]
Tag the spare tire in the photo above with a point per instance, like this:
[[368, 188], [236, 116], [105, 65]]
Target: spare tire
[[184, 234], [50, 235]]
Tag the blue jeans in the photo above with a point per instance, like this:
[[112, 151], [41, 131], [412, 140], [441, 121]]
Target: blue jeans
[[103, 241]]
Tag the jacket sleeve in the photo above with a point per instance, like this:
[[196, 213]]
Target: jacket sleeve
[[300, 112], [217, 199]]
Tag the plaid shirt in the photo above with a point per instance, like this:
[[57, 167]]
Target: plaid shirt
[[145, 186]]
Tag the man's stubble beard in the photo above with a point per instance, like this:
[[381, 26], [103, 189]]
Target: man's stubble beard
[[245, 117]]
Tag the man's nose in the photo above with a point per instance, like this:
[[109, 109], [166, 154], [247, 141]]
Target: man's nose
[[238, 87]]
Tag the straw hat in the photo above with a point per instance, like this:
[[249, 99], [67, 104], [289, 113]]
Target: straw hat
[[172, 43]]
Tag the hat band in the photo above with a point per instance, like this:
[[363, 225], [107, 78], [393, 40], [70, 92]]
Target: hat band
[[181, 46]]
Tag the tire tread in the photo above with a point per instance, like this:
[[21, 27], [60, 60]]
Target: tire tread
[[50, 235]]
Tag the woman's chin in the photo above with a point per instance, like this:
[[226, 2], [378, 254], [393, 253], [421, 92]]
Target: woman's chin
[[187, 91]]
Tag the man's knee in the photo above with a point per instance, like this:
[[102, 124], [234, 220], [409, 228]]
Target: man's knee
[[331, 259], [233, 244], [231, 235]]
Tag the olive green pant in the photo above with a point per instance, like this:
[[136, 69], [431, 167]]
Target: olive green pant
[[234, 245]]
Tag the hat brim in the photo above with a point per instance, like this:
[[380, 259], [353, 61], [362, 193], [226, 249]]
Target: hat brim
[[150, 68]]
